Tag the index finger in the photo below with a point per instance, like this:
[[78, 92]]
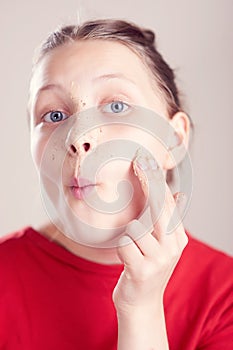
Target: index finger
[[159, 196]]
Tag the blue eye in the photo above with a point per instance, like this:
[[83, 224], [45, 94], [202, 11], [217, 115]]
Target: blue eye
[[55, 117], [116, 107]]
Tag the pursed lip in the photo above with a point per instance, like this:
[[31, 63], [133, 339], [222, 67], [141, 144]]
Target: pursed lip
[[81, 187], [80, 182]]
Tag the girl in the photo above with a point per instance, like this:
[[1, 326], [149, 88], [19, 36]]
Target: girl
[[110, 270]]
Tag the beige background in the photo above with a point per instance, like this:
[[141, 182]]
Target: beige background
[[196, 38]]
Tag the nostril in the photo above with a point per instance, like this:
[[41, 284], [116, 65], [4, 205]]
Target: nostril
[[73, 149], [86, 146]]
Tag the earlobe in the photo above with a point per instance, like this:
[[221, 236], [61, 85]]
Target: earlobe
[[178, 140]]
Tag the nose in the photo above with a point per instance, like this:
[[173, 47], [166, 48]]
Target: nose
[[75, 148], [79, 142]]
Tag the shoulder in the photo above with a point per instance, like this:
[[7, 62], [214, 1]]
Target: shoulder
[[202, 288], [12, 248], [209, 266], [204, 274], [14, 238], [206, 258]]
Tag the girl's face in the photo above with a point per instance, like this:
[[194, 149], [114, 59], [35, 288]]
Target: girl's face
[[74, 79]]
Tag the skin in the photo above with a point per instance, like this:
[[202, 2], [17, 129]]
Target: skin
[[74, 78]]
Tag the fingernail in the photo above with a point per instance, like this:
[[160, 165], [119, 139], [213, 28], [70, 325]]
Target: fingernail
[[153, 163], [141, 163], [124, 240]]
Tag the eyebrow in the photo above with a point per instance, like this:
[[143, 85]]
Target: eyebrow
[[50, 87], [104, 77], [114, 76]]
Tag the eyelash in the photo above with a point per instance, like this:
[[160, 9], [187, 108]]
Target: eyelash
[[48, 114], [125, 106], [103, 106]]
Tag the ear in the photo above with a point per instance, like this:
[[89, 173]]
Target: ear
[[178, 140]]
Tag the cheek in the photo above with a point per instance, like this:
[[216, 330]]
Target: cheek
[[153, 144], [157, 149], [114, 170], [111, 176], [45, 150], [141, 139], [38, 144]]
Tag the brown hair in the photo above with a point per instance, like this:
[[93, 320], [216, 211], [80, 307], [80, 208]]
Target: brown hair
[[140, 40]]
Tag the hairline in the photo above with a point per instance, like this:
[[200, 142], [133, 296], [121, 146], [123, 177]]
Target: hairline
[[135, 48]]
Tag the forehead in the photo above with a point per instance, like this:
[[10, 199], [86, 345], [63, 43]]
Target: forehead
[[77, 60], [80, 64]]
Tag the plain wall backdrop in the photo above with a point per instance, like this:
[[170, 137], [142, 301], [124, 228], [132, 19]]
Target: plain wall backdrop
[[194, 36]]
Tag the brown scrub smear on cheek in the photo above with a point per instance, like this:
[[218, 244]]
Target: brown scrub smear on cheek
[[68, 180]]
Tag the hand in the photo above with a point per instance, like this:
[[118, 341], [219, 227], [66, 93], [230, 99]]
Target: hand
[[150, 260]]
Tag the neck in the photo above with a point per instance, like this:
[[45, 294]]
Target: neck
[[106, 256]]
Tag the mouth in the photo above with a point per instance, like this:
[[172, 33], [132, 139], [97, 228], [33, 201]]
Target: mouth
[[81, 187]]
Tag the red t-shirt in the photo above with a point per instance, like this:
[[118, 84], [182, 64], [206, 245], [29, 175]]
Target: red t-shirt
[[51, 299]]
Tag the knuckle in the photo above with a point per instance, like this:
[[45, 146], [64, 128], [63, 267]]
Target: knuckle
[[146, 274], [183, 241], [175, 254], [163, 261]]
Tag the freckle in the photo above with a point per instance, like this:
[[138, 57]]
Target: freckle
[[53, 156]]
